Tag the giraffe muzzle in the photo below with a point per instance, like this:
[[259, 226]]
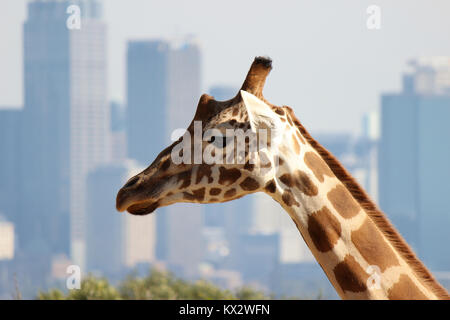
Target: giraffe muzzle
[[125, 202], [140, 196], [145, 208]]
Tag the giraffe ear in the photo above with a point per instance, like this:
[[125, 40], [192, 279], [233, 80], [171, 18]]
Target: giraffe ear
[[261, 116], [259, 113]]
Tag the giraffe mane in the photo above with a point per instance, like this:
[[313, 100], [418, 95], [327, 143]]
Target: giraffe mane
[[377, 216]]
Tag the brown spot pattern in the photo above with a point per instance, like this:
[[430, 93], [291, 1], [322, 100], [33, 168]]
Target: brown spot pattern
[[215, 191], [289, 199], [343, 202], [350, 275], [317, 166], [287, 180], [230, 193], [186, 178], [374, 249], [305, 184], [204, 171], [197, 195], [279, 160], [248, 166], [280, 111], [405, 289], [228, 176], [270, 186], [324, 229], [249, 184], [165, 165]]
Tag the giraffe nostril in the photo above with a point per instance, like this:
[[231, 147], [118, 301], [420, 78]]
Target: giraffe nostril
[[132, 182]]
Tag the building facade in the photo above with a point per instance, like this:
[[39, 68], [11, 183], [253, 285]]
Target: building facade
[[147, 82], [414, 153], [9, 166], [65, 124]]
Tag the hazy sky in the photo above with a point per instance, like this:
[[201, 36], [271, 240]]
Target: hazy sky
[[327, 65]]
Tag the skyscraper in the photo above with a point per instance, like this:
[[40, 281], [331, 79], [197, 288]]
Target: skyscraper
[[118, 135], [66, 121], [147, 91], [184, 84], [9, 192], [43, 225], [9, 155], [428, 75], [104, 232], [89, 115], [414, 154]]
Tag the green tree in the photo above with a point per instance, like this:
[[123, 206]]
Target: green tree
[[52, 294], [91, 289], [157, 285], [247, 293]]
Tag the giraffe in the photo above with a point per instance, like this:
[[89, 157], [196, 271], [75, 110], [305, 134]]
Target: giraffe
[[361, 253]]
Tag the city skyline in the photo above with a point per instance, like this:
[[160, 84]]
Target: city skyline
[[327, 48], [76, 140]]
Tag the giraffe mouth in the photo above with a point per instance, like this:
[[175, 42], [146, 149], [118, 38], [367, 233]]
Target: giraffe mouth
[[141, 209], [143, 199], [139, 202]]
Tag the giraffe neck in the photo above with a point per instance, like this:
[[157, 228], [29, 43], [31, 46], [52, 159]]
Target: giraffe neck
[[360, 258]]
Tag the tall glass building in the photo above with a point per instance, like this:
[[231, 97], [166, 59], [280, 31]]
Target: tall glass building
[[147, 82], [9, 154], [65, 124], [414, 154]]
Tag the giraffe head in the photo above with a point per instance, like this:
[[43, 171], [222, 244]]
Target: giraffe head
[[230, 149]]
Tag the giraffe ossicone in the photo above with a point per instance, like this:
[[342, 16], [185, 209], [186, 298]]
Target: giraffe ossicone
[[347, 234]]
